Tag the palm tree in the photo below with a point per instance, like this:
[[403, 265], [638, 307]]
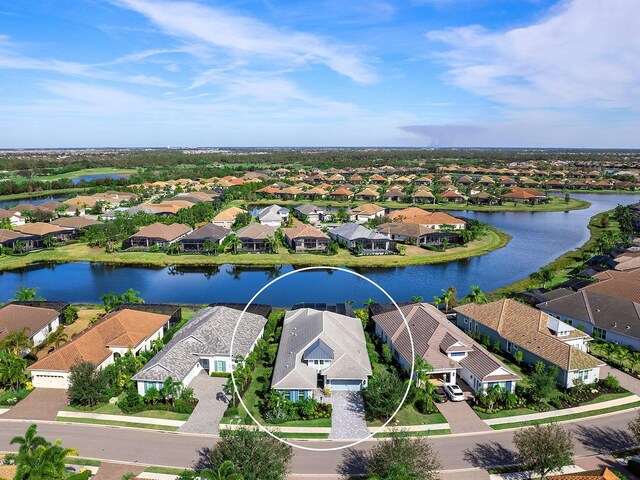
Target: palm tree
[[234, 242], [19, 246], [30, 441], [12, 370], [48, 242], [477, 295], [544, 276], [211, 247], [225, 472], [170, 390], [417, 299], [422, 370], [57, 337], [448, 296], [270, 243], [17, 342], [437, 301]]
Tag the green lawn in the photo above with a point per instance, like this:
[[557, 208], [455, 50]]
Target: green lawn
[[109, 409], [408, 415], [165, 470], [81, 252], [565, 418], [605, 397], [75, 174], [302, 436], [505, 413], [85, 462], [318, 422], [94, 421], [424, 433]]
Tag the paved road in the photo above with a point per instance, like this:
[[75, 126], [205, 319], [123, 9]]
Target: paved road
[[605, 433]]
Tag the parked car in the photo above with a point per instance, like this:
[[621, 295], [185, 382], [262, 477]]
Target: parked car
[[454, 393], [440, 396]]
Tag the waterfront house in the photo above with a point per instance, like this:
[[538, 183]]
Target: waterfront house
[[14, 217], [417, 234], [451, 352], [157, 234], [255, 236], [110, 338], [227, 217], [311, 213], [306, 238], [273, 216], [210, 232], [320, 349], [434, 220], [364, 213], [76, 225], [41, 230], [12, 239], [202, 345], [368, 194], [358, 238], [39, 322], [540, 337]]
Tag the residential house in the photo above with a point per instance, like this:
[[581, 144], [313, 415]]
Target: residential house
[[341, 194], [197, 240], [451, 352], [522, 195], [203, 345], [273, 215], [540, 336], [315, 192], [366, 212], [320, 349], [255, 237], [306, 238], [111, 337], [227, 217], [603, 316], [157, 234], [417, 234], [41, 230], [76, 225], [453, 196], [311, 213], [358, 238], [38, 322], [423, 195], [14, 240], [14, 217], [368, 195], [434, 220], [393, 194]]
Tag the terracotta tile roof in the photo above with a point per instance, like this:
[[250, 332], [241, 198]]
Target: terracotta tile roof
[[8, 472], [160, 230], [228, 215], [40, 228], [405, 229], [124, 328], [526, 327], [16, 317], [304, 231], [342, 192]]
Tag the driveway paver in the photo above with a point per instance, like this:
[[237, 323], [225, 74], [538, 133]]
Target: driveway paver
[[347, 418], [114, 471], [41, 404], [462, 418], [212, 402]]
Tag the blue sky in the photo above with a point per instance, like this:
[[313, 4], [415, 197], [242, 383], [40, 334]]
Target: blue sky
[[436, 73]]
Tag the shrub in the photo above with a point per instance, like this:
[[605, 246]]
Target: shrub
[[180, 406], [221, 374], [132, 401], [231, 412], [387, 356], [610, 383]]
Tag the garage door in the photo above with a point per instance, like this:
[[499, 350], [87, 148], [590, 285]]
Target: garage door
[[350, 385], [49, 381]]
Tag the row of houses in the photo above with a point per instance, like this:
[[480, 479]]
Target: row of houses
[[32, 236]]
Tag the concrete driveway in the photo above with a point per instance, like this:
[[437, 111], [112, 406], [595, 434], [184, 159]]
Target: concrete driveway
[[462, 418], [41, 404], [212, 402]]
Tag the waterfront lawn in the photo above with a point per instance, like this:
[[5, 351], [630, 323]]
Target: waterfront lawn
[[81, 252]]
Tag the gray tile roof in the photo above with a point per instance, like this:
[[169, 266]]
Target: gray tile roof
[[308, 209], [343, 335], [353, 231], [273, 213], [208, 332], [208, 231]]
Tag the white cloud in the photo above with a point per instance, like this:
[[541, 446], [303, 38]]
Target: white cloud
[[584, 54], [243, 36]]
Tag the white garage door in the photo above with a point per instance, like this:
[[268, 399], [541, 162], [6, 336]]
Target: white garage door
[[347, 385], [49, 381]]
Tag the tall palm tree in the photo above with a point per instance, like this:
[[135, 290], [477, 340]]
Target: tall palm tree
[[19, 246], [234, 242], [270, 243], [48, 242], [170, 390], [30, 441]]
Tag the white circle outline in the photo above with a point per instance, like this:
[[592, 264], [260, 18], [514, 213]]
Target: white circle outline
[[372, 434]]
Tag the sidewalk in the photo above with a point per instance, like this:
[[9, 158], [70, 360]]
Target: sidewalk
[[563, 412], [412, 428], [528, 475], [121, 418]]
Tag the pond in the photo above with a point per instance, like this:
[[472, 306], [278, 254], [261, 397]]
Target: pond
[[98, 176], [33, 201], [538, 238]]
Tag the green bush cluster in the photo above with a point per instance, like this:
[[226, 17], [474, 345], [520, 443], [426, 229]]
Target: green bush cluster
[[278, 409]]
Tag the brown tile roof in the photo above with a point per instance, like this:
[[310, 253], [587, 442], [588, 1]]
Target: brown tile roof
[[433, 336], [304, 231], [366, 209], [256, 231], [124, 328], [7, 235], [601, 474], [160, 230], [75, 222], [228, 215], [624, 285], [405, 229], [342, 192], [8, 472], [16, 317], [40, 228], [526, 327]]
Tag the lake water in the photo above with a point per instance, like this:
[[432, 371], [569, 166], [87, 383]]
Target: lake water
[[33, 201], [538, 238], [88, 178]]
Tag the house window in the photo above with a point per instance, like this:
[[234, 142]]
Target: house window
[[599, 333], [220, 366], [204, 363], [116, 356], [509, 347], [582, 375], [457, 354], [466, 321]]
